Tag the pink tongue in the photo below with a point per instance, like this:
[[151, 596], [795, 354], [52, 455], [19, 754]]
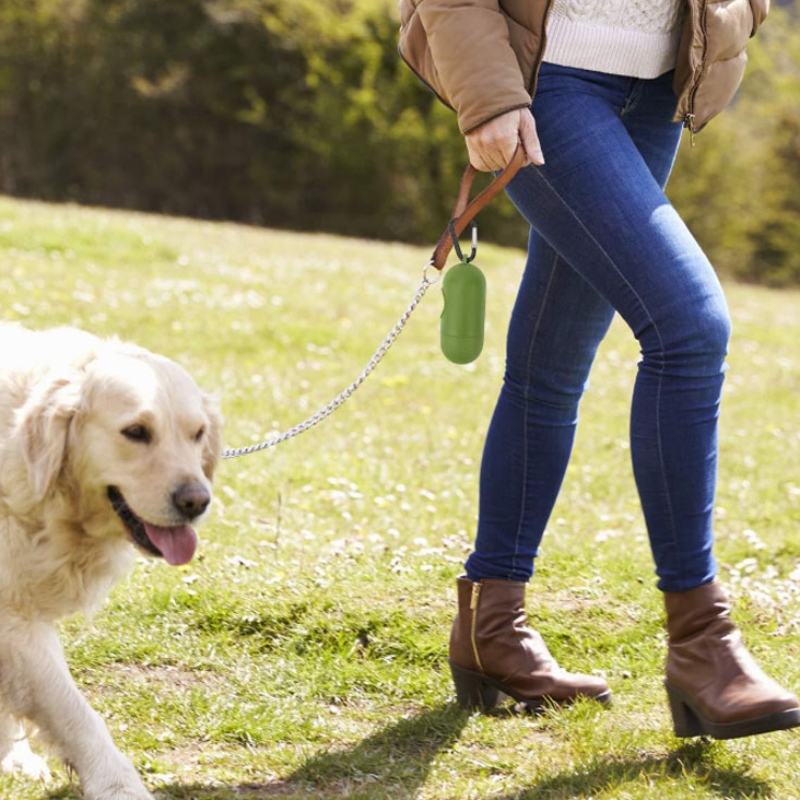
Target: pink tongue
[[177, 544]]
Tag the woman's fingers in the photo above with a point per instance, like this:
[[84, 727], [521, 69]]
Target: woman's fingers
[[492, 145], [530, 139]]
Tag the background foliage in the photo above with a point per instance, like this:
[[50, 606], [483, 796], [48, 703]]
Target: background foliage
[[300, 114]]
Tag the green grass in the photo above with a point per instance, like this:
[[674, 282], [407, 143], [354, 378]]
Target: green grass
[[303, 653]]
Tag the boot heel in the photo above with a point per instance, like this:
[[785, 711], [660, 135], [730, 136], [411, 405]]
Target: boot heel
[[473, 691], [685, 722]]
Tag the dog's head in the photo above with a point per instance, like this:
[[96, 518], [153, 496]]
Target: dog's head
[[132, 443]]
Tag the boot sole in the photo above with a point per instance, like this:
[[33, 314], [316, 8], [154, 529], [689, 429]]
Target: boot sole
[[478, 692], [689, 721]]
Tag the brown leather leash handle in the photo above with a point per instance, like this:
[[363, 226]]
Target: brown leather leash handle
[[464, 211]]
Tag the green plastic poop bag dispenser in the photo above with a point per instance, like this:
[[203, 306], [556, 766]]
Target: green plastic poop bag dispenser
[[464, 313], [464, 285]]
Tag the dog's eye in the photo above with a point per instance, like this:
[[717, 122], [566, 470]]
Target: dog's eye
[[198, 437], [137, 433]]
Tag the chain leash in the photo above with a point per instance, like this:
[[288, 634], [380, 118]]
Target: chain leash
[[463, 213], [345, 395]]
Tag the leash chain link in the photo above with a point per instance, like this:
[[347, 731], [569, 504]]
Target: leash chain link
[[327, 410]]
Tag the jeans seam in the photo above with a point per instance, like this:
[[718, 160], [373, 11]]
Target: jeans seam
[[632, 99], [644, 307], [534, 336]]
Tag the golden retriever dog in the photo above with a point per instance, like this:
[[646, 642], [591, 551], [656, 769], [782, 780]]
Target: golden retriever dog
[[106, 450]]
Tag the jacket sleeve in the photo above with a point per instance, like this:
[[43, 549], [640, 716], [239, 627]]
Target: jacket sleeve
[[476, 70], [760, 10]]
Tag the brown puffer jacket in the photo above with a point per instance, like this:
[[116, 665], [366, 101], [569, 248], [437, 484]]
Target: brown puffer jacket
[[481, 57]]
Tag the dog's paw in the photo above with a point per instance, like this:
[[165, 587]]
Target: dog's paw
[[120, 792], [117, 780], [138, 793], [21, 760]]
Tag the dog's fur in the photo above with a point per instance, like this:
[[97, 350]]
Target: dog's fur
[[105, 449]]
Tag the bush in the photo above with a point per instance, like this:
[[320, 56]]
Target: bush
[[300, 114], [738, 186]]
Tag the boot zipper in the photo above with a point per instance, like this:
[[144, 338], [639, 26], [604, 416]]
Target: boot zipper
[[473, 607]]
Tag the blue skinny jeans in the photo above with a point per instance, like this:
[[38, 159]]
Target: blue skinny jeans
[[605, 238]]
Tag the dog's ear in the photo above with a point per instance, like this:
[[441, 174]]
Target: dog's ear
[[212, 443], [43, 426]]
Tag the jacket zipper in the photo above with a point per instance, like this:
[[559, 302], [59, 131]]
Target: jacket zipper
[[689, 116], [473, 607], [537, 61]]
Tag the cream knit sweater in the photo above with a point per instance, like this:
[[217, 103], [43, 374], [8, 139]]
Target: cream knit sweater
[[624, 37]]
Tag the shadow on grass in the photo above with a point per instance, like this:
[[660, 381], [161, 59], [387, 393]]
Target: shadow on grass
[[693, 762], [392, 763]]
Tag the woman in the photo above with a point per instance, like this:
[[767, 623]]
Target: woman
[[597, 93]]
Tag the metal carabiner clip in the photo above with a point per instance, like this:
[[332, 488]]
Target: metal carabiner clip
[[457, 246]]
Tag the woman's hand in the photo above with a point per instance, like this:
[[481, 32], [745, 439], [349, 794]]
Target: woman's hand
[[492, 145]]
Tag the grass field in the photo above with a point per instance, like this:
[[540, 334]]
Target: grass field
[[303, 653]]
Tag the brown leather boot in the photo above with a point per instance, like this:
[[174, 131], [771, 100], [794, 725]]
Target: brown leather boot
[[714, 686], [493, 650]]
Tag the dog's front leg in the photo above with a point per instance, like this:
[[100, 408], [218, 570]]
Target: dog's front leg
[[37, 685]]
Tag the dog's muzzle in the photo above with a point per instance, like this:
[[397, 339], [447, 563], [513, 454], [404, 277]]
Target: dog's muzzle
[[176, 544]]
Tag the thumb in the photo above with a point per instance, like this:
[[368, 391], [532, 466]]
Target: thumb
[[530, 139]]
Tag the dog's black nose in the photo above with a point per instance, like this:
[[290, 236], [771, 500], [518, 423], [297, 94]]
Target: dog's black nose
[[191, 499]]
